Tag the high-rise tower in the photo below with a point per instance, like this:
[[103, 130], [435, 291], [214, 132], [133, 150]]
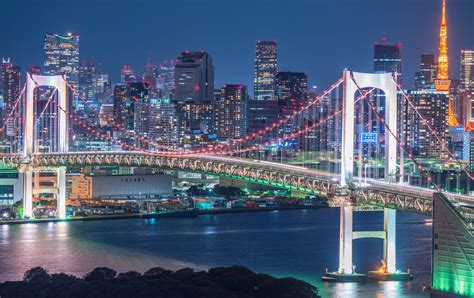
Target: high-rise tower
[[442, 81]]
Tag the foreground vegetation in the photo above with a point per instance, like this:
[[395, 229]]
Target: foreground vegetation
[[229, 282]]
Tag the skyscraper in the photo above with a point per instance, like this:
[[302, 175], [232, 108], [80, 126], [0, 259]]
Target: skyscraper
[[61, 55], [432, 105], [265, 70], [11, 92], [263, 108], [3, 69], [165, 78], [231, 112], [122, 112], [194, 78], [387, 58], [194, 95], [467, 88], [292, 94], [163, 122], [425, 78], [140, 104], [127, 74], [149, 74], [291, 91]]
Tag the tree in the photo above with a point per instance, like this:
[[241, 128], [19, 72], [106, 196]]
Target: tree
[[37, 275], [62, 279], [157, 272], [100, 273], [195, 191], [129, 275]]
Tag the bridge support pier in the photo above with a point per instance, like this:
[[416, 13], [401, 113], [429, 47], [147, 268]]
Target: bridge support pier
[[61, 198], [27, 173], [345, 241], [389, 250], [346, 271]]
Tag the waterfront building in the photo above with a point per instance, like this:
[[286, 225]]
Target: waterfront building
[[452, 249], [125, 186], [263, 107], [231, 112]]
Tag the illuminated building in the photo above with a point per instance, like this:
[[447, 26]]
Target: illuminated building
[[3, 67], [291, 92], [163, 122], [432, 106], [452, 249], [425, 77], [194, 78], [149, 74], [194, 95], [93, 85], [265, 70], [263, 108], [127, 74], [165, 78], [122, 105], [126, 186], [140, 108], [387, 58], [61, 55], [132, 110], [466, 88], [231, 112], [11, 92]]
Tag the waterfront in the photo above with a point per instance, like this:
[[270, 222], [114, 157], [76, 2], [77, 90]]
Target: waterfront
[[298, 243]]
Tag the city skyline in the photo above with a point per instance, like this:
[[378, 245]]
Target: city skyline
[[418, 35]]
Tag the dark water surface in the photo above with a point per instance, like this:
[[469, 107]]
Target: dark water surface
[[298, 243]]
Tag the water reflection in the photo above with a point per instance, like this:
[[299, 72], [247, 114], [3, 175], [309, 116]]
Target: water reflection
[[299, 243]]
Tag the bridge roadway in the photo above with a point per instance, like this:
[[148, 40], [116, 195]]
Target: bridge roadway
[[366, 192]]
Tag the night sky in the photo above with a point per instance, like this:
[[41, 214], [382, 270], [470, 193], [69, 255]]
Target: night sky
[[320, 37]]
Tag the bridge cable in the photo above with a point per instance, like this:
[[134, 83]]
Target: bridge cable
[[433, 132]]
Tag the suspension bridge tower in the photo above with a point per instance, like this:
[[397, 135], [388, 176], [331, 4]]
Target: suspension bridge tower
[[353, 82], [59, 83]]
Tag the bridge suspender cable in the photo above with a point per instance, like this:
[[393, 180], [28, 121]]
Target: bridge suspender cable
[[400, 143], [214, 149], [433, 132]]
